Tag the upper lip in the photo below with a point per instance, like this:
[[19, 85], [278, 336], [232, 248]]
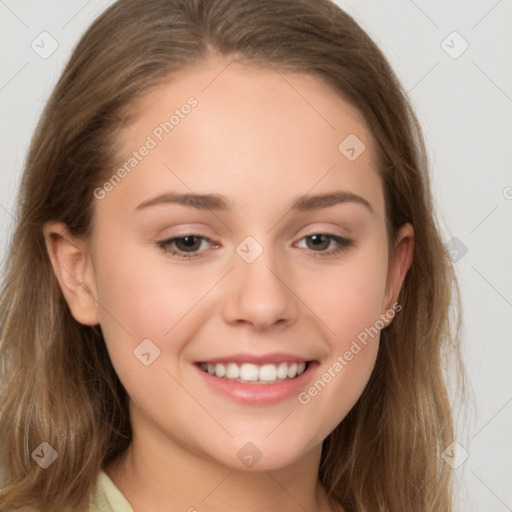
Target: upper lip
[[258, 359]]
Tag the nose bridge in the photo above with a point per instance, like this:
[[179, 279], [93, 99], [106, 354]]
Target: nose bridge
[[258, 293]]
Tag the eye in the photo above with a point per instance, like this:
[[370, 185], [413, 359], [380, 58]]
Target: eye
[[186, 246], [192, 245], [325, 244]]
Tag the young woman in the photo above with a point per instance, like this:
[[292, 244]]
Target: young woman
[[227, 289]]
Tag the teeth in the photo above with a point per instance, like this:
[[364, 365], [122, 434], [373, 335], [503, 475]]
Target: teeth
[[282, 371], [249, 372], [292, 370], [220, 370], [268, 372], [232, 371]]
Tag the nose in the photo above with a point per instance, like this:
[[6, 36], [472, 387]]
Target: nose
[[260, 295]]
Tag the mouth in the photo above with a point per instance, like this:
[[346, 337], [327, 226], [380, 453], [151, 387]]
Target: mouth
[[252, 373], [257, 379]]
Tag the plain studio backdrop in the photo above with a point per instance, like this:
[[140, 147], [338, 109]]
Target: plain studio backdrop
[[455, 62]]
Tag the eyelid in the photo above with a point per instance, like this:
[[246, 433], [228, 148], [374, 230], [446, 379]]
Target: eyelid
[[320, 228]]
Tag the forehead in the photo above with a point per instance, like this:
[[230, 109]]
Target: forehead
[[263, 131]]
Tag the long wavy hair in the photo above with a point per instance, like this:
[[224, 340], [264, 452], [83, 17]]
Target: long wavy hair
[[57, 382]]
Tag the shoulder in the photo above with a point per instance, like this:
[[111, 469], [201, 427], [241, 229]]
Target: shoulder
[[108, 497]]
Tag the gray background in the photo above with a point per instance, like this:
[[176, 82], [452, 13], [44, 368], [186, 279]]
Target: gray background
[[464, 102]]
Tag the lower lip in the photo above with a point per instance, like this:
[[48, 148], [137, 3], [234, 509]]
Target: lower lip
[[259, 394]]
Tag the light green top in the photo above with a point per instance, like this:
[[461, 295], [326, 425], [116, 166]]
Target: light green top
[[109, 497]]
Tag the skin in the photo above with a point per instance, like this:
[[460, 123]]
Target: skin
[[261, 139]]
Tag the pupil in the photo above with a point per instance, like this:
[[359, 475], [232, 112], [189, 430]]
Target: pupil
[[317, 240], [190, 242]]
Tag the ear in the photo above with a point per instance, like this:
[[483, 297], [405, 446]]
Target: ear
[[399, 263], [74, 271]]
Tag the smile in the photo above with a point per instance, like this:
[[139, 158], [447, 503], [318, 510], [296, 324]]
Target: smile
[[267, 373], [257, 379]]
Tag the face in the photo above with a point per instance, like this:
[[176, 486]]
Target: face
[[240, 266]]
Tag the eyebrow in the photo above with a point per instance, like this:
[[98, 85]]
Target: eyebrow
[[216, 202]]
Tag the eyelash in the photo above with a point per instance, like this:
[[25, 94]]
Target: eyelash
[[165, 245]]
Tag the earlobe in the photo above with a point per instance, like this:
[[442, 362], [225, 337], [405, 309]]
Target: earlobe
[[74, 272], [400, 262]]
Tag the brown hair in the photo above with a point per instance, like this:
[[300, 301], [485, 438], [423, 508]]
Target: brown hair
[[58, 384]]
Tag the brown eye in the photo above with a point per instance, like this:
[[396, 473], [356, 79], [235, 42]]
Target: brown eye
[[188, 243], [187, 246], [323, 244], [318, 242]]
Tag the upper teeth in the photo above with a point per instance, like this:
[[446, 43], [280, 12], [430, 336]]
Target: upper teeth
[[250, 372]]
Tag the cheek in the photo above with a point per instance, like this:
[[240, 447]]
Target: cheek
[[143, 299], [349, 297], [350, 307]]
